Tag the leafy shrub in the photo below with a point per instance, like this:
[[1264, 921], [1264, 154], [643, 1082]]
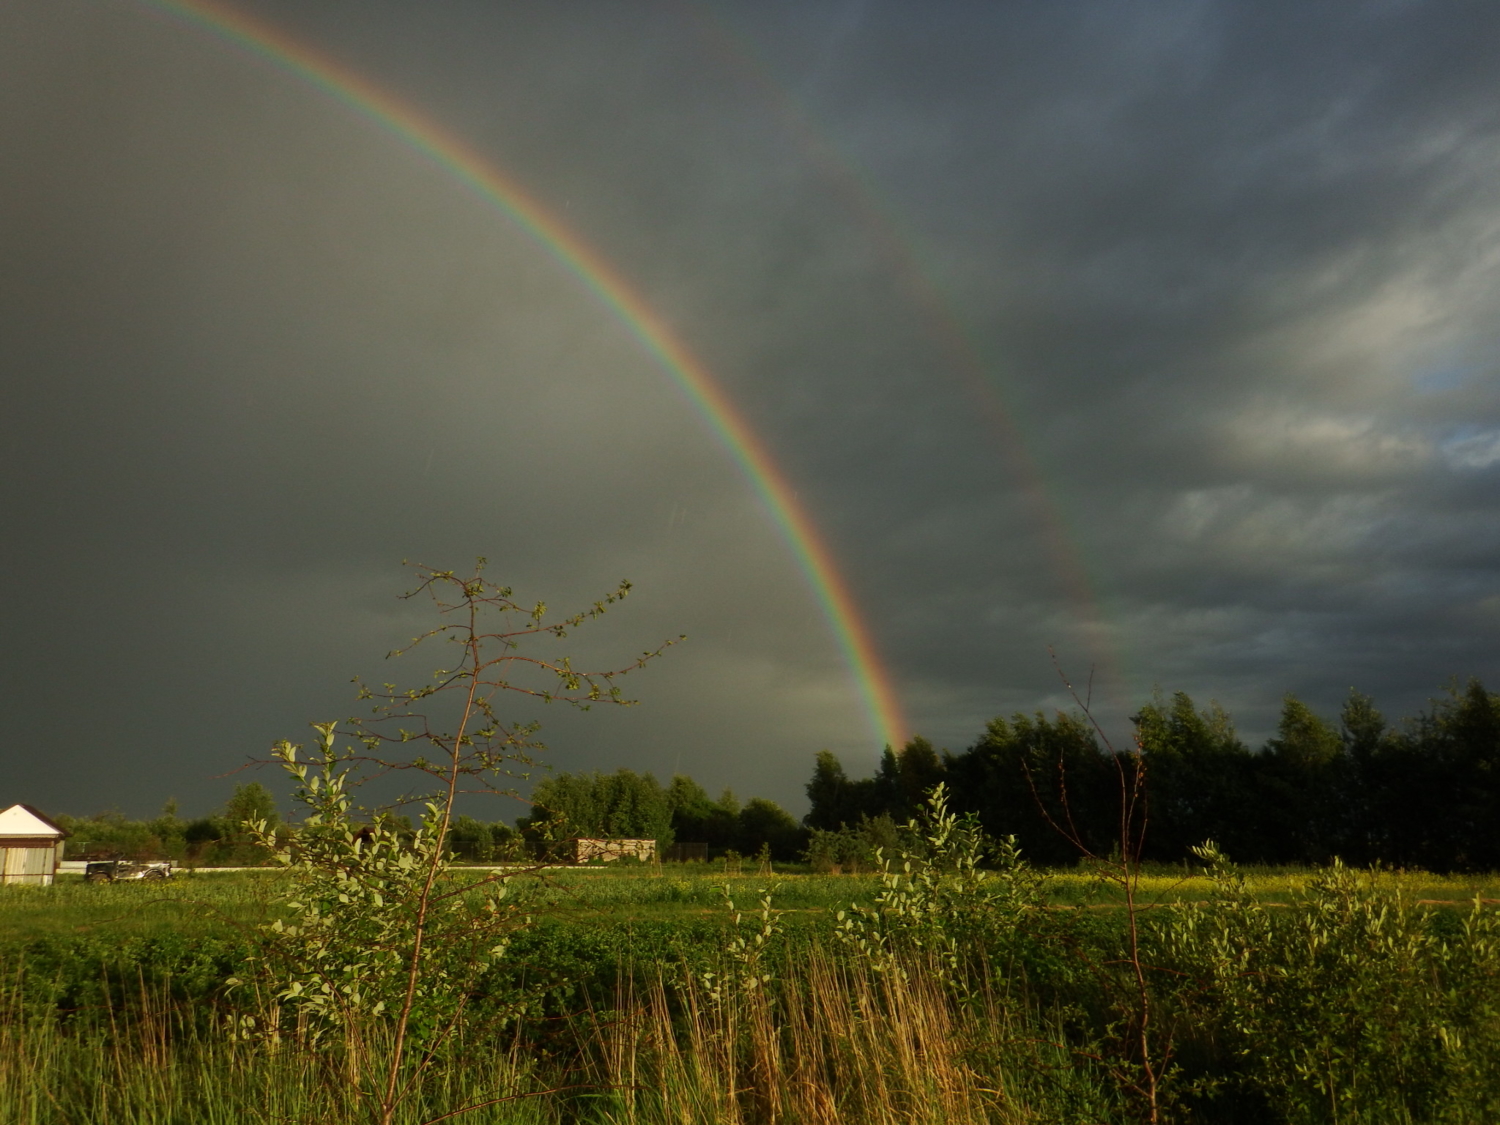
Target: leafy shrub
[[1351, 1004]]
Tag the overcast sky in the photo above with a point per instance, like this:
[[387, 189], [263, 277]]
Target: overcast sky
[[1162, 334]]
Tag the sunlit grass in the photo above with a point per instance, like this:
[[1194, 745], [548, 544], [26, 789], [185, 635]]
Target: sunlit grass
[[1270, 886], [186, 903], [626, 1028], [222, 903]]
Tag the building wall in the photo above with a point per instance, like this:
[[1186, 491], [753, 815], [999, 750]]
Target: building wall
[[607, 850], [30, 864]]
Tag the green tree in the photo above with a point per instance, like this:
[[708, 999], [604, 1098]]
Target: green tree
[[1363, 825], [689, 804], [697, 818], [1445, 772], [636, 807], [472, 840], [563, 805], [251, 802], [621, 805], [1304, 741], [111, 836], [906, 777], [728, 803], [764, 823], [170, 831], [1298, 801], [834, 799], [1199, 780], [200, 835], [1042, 780]]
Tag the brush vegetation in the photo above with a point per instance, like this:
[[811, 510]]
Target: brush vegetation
[[956, 985], [925, 973]]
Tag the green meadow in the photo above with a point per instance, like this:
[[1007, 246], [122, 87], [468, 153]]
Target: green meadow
[[688, 993], [223, 904]]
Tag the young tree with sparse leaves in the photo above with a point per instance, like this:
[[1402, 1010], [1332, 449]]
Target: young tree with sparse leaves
[[382, 942]]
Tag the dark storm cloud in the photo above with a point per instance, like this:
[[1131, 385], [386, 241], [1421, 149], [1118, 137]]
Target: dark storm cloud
[[246, 378], [1231, 267], [1213, 248]]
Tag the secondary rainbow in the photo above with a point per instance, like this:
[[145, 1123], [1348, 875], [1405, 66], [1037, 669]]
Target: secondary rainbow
[[861, 198], [491, 183]]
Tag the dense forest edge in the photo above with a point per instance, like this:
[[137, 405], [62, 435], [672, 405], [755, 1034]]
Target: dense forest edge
[[1420, 793]]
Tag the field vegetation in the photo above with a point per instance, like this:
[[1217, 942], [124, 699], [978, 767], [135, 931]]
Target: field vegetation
[[681, 994], [208, 903], [1061, 942]]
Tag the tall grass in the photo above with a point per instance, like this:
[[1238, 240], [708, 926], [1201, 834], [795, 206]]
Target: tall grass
[[168, 1066], [830, 1043], [835, 1043]]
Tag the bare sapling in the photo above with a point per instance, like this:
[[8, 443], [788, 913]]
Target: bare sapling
[[383, 942], [1147, 1060]]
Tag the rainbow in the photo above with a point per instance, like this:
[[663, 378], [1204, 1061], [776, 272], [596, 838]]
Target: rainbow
[[963, 356], [873, 680]]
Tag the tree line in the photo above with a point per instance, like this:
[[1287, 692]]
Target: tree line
[[1423, 792], [220, 839], [623, 804], [630, 805]]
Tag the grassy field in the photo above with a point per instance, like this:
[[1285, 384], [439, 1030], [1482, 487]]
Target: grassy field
[[636, 997], [208, 902]]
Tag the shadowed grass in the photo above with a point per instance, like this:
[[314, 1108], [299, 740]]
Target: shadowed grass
[[830, 1044]]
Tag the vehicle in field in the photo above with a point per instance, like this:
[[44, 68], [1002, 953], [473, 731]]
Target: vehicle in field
[[123, 870]]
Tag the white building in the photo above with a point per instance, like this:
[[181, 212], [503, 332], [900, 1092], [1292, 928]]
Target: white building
[[31, 846]]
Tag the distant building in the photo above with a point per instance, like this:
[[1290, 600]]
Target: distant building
[[584, 850], [31, 846]]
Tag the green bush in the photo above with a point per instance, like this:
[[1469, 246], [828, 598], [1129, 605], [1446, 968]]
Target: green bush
[[1351, 1004]]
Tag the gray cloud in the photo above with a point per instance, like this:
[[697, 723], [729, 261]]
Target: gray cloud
[[1230, 267]]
